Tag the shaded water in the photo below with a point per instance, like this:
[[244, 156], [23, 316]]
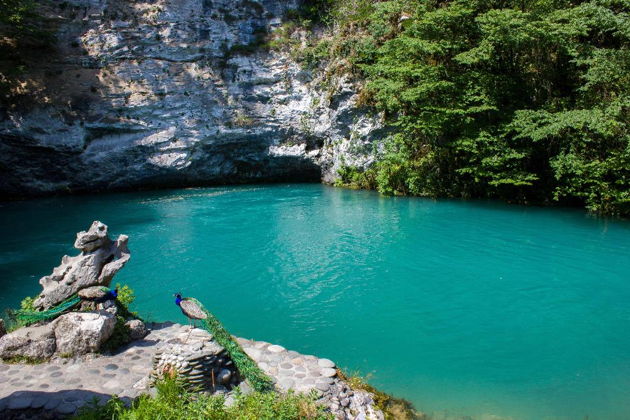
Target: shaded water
[[464, 308]]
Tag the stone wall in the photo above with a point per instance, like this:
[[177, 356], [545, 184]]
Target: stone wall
[[171, 93]]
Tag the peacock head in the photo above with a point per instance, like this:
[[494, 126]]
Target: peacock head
[[178, 298]]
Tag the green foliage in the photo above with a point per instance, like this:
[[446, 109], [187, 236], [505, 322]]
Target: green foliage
[[527, 100], [27, 303], [24, 360], [15, 12], [351, 176], [174, 402], [126, 295]]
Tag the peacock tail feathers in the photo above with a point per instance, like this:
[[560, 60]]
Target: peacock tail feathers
[[27, 317], [246, 366]]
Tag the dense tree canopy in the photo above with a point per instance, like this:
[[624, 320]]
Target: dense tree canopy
[[526, 100]]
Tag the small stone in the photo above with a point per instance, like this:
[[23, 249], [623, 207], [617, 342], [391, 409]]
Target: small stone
[[322, 386], [224, 376], [254, 353], [111, 366], [274, 348], [20, 403], [286, 365], [39, 401], [286, 383], [52, 403], [328, 372], [66, 408], [111, 384], [245, 388], [325, 363], [323, 380]]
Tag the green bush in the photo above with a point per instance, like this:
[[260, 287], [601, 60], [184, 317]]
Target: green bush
[[27, 303], [523, 100], [174, 402]]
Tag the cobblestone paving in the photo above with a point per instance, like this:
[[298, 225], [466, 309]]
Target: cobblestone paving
[[64, 385]]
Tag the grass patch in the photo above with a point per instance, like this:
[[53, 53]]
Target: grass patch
[[174, 402], [24, 360]]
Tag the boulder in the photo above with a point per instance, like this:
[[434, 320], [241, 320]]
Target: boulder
[[36, 342], [137, 329], [79, 333], [100, 259]]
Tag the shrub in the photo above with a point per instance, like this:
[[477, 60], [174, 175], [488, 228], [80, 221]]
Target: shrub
[[174, 402]]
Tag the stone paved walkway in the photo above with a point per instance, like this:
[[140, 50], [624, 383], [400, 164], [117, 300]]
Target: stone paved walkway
[[64, 385]]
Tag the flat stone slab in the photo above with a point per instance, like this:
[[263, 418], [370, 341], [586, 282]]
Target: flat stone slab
[[64, 385]]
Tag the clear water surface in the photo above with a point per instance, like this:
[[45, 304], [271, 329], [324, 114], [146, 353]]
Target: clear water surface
[[465, 308]]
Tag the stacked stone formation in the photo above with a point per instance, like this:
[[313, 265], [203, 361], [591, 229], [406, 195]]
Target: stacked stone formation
[[199, 361]]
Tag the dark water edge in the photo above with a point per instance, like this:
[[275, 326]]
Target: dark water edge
[[292, 179]]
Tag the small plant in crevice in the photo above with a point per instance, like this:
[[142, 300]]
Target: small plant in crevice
[[393, 408]]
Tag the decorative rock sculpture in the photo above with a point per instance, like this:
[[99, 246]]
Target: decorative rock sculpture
[[100, 259]]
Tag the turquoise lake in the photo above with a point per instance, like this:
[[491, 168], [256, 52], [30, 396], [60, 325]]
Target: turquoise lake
[[466, 308]]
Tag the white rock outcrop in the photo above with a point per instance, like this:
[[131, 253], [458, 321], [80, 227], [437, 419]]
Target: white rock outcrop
[[174, 93], [100, 259]]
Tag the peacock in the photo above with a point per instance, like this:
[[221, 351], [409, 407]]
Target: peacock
[[189, 308], [194, 310]]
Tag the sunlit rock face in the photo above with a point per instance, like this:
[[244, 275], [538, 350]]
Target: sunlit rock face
[[175, 93]]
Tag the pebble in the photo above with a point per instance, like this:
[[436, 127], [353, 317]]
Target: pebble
[[328, 372], [66, 408], [39, 401], [274, 348], [325, 363], [19, 403]]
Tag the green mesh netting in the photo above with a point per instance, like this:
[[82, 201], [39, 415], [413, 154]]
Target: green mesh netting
[[26, 317], [246, 366]]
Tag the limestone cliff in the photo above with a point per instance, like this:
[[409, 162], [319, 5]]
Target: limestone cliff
[[171, 93]]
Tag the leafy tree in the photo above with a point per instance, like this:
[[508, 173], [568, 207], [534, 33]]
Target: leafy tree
[[524, 100]]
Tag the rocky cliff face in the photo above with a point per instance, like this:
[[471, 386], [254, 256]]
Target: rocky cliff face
[[174, 93]]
